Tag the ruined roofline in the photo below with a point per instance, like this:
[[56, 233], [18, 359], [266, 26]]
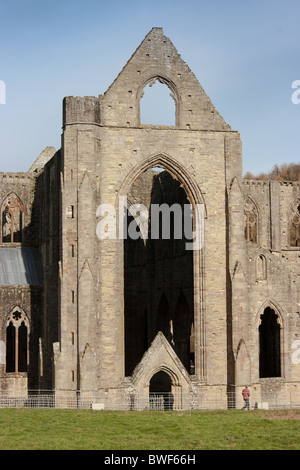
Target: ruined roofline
[[43, 158], [131, 57], [161, 32], [246, 181]]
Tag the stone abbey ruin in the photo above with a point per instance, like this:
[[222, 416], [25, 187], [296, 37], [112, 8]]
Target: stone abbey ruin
[[122, 317]]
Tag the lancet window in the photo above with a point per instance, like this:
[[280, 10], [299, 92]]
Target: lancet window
[[251, 221]]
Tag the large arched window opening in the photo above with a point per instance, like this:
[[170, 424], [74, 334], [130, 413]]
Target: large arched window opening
[[158, 103], [157, 107], [269, 344], [158, 267], [17, 341]]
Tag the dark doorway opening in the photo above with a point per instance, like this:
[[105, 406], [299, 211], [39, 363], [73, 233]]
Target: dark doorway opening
[[269, 345], [160, 392]]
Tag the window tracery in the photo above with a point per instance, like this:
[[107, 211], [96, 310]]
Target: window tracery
[[12, 219], [17, 341]]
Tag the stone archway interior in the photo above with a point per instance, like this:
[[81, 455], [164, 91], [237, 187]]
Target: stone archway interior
[[158, 271]]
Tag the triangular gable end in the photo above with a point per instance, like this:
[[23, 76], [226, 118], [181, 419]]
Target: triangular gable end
[[160, 357], [157, 58]]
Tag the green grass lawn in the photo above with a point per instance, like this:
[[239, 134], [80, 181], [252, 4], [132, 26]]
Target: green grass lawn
[[28, 429]]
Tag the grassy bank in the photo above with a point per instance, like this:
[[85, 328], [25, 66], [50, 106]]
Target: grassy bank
[[191, 430]]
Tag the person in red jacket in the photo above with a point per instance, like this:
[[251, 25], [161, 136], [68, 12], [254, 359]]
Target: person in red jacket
[[246, 397]]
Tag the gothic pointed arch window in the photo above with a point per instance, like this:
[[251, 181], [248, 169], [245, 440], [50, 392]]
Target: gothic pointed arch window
[[155, 268], [294, 224], [158, 103], [17, 341], [251, 220], [12, 219]]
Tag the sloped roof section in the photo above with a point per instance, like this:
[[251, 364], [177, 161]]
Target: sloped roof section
[[20, 266], [42, 159]]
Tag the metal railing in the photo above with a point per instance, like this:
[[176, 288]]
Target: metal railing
[[153, 402]]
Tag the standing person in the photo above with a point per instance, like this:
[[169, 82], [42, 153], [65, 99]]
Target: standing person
[[246, 397]]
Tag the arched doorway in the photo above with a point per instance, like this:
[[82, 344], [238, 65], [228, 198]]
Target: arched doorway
[[160, 383], [160, 392], [269, 344]]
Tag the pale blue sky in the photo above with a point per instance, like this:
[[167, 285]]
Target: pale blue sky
[[245, 54]]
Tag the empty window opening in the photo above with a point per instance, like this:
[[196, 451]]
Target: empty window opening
[[157, 105], [269, 344]]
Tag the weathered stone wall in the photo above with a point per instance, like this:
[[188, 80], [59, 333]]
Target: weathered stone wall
[[104, 152], [264, 274], [47, 206]]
